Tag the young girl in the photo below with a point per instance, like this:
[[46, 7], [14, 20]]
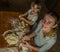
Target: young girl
[[45, 34], [32, 14]]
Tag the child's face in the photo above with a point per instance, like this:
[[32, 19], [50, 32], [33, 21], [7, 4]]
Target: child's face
[[35, 9], [48, 23]]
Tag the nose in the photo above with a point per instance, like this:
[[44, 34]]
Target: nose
[[44, 24]]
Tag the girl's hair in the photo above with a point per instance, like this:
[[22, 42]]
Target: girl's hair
[[36, 3]]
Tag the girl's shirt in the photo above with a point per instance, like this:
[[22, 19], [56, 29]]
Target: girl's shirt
[[33, 17], [44, 43]]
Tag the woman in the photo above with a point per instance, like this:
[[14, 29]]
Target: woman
[[45, 34]]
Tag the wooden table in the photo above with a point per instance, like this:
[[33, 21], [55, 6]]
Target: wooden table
[[3, 44], [4, 25]]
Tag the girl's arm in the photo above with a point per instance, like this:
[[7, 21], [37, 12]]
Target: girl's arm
[[23, 15], [27, 21]]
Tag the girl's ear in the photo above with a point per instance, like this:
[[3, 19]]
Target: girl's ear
[[55, 26]]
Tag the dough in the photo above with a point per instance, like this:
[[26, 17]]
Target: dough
[[12, 39]]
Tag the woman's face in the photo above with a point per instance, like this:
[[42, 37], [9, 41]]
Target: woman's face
[[48, 23], [34, 9]]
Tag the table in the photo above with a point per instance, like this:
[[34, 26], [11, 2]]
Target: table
[[3, 43], [6, 26]]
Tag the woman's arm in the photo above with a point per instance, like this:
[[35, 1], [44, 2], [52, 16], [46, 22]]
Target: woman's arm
[[48, 45], [45, 47], [31, 35], [28, 37], [34, 48], [30, 47]]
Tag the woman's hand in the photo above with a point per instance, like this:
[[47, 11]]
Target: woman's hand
[[26, 44], [26, 38], [30, 46]]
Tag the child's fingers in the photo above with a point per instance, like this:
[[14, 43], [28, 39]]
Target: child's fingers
[[20, 16]]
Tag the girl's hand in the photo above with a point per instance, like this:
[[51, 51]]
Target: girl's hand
[[20, 16]]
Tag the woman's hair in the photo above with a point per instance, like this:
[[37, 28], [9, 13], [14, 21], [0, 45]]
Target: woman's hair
[[54, 15]]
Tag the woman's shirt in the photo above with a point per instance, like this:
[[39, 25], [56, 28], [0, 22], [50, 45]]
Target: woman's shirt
[[32, 17], [44, 43]]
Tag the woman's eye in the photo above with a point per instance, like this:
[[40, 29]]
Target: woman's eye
[[44, 21], [49, 22]]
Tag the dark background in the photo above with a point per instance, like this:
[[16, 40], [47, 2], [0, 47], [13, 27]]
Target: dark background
[[23, 5]]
